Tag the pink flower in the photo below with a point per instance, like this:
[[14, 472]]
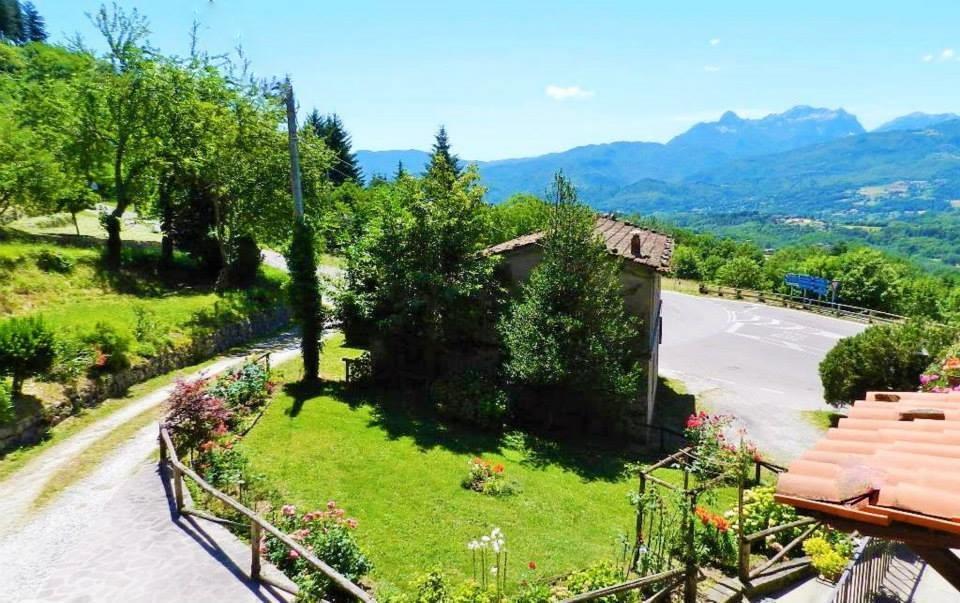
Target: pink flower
[[289, 510], [331, 504], [293, 554], [339, 512], [352, 523], [927, 378]]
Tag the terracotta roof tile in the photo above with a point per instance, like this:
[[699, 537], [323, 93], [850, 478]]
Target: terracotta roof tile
[[889, 457], [655, 249]]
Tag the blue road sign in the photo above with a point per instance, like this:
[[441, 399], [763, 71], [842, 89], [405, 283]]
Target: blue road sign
[[813, 284]]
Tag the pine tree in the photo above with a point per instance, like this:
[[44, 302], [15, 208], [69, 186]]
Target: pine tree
[[330, 129], [11, 21], [34, 26], [444, 166], [401, 172]]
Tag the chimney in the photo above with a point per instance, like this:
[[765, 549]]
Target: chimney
[[636, 242]]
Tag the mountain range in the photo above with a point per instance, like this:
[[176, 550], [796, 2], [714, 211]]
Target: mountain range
[[804, 161]]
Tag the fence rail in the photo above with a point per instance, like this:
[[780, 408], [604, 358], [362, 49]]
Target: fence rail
[[858, 313], [258, 525], [863, 578]]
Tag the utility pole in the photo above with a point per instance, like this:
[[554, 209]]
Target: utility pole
[[295, 186]]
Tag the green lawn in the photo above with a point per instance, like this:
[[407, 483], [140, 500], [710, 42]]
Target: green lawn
[[399, 473], [89, 223]]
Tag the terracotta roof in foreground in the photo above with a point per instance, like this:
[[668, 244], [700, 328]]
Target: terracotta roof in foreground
[[894, 461], [627, 240]]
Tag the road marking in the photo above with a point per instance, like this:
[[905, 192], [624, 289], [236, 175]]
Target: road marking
[[734, 327], [772, 391]]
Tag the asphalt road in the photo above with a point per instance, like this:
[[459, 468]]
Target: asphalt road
[[756, 362]]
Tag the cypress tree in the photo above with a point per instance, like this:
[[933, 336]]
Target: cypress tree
[[34, 27], [304, 291], [11, 21], [401, 172], [331, 130]]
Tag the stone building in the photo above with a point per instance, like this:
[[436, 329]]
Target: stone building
[[645, 255]]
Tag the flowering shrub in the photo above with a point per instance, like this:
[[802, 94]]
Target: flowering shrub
[[245, 388], [828, 559], [715, 454], [327, 533], [714, 540], [943, 375], [593, 577], [195, 415], [487, 478], [761, 511], [221, 464]]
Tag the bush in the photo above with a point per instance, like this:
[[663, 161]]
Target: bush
[[27, 348], [72, 358], [195, 415], [111, 346], [242, 271], [740, 273], [471, 397], [7, 410], [328, 534], [244, 389], [943, 374], [826, 558], [761, 511], [487, 478], [54, 261], [596, 576], [883, 357]]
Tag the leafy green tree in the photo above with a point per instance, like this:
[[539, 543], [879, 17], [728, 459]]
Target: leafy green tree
[[882, 357], [519, 215], [686, 264], [11, 21], [330, 129], [30, 177], [740, 272], [570, 343], [26, 349]]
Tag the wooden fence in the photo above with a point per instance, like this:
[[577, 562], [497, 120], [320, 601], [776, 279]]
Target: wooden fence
[[802, 303], [861, 582], [258, 525]]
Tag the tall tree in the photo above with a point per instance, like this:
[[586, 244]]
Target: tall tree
[[444, 167], [401, 172], [571, 346], [11, 21], [34, 26], [331, 130]]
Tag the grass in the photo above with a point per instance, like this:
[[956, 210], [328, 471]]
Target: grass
[[89, 223], [821, 419], [399, 472]]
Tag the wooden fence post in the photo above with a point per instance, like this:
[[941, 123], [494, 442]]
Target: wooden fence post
[[178, 487], [636, 546], [254, 550], [690, 578]]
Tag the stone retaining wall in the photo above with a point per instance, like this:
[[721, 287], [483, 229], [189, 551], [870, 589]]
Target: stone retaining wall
[[90, 392]]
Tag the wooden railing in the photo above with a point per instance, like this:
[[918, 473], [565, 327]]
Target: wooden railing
[[258, 525], [672, 579], [857, 313]]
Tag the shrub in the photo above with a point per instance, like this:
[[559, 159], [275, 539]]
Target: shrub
[[471, 397], [26, 349], [533, 593], [54, 261], [328, 534], [943, 374], [741, 273], [487, 478], [761, 511], [221, 464], [244, 389], [195, 415], [72, 358], [827, 559], [7, 410], [242, 270], [111, 347], [596, 576], [714, 541], [883, 357]]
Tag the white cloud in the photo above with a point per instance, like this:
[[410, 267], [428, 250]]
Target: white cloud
[[927, 58], [711, 68], [947, 54], [562, 93], [714, 41]]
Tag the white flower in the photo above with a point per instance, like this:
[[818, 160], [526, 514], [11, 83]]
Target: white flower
[[496, 533], [496, 545], [485, 539], [493, 570], [473, 545]]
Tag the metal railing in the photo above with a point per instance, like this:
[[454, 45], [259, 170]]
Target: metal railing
[[864, 577], [858, 313], [258, 525]]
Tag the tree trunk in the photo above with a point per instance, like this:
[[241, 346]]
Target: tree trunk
[[76, 225], [114, 244]]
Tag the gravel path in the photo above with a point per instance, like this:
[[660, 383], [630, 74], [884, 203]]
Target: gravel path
[[112, 536]]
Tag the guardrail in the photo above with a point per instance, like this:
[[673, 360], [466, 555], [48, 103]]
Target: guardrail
[[258, 525], [858, 313]]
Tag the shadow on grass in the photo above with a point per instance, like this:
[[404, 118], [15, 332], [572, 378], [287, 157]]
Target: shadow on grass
[[406, 414], [674, 405]]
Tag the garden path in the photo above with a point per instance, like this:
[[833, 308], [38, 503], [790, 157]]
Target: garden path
[[112, 536]]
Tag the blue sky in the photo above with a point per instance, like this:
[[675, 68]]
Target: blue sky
[[526, 77]]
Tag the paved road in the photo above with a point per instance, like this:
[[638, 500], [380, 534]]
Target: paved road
[[111, 536], [753, 361]]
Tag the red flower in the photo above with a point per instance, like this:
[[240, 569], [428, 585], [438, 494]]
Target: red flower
[[532, 565], [498, 468]]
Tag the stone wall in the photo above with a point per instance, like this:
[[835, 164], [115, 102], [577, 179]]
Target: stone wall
[[90, 392]]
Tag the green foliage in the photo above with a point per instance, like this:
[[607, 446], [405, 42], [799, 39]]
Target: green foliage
[[570, 344], [54, 261], [304, 291], [72, 359], [471, 396], [518, 215], [7, 410], [112, 347], [761, 511], [488, 478], [882, 357], [596, 576], [741, 273], [828, 559], [331, 130], [27, 348], [243, 389], [685, 263]]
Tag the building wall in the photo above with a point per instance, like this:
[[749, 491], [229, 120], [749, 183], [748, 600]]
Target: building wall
[[641, 290]]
